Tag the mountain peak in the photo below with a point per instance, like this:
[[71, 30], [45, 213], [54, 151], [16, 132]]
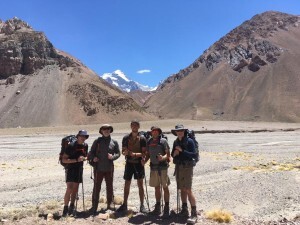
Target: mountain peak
[[12, 25], [247, 46], [120, 80]]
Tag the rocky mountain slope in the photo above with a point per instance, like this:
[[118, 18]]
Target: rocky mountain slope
[[42, 86], [252, 73]]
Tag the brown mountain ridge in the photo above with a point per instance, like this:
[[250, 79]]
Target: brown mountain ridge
[[252, 73], [42, 86]]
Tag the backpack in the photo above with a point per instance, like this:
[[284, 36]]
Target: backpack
[[64, 144], [147, 135], [191, 134]]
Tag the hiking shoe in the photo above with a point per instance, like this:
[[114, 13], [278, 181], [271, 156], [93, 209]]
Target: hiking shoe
[[122, 208], [193, 218], [184, 212], [65, 211], [92, 211], [143, 209], [111, 206], [166, 213], [156, 210], [71, 209]]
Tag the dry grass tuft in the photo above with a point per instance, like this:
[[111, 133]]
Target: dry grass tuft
[[219, 215], [272, 166]]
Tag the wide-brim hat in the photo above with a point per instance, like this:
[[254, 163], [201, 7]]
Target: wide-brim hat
[[156, 128], [106, 126], [178, 127], [83, 133]]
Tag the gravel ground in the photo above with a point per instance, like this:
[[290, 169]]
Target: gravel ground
[[255, 176]]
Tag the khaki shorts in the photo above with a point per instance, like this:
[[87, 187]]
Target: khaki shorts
[[184, 177], [156, 180]]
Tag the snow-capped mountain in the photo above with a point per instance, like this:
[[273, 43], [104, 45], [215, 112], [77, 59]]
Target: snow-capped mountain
[[119, 79]]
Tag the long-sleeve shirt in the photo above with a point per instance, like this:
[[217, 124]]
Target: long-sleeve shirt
[[100, 149], [188, 150]]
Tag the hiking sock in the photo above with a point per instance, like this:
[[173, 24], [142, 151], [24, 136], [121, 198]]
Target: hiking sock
[[193, 211], [65, 210], [184, 210], [166, 212], [71, 209], [157, 209], [193, 218]]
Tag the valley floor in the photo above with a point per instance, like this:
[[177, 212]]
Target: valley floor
[[254, 174]]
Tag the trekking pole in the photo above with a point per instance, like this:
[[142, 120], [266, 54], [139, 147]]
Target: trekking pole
[[161, 189], [147, 199], [82, 190], [178, 198]]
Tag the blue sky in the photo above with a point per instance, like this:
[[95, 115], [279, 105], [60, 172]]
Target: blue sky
[[157, 36]]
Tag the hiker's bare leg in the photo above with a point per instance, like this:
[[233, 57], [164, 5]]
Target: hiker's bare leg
[[166, 194], [183, 195], [191, 197], [74, 192], [157, 194], [68, 193], [141, 190], [126, 190]]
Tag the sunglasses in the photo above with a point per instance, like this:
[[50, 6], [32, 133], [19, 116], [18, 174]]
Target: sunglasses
[[106, 128]]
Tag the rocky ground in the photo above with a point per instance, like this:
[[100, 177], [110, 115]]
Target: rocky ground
[[253, 175]]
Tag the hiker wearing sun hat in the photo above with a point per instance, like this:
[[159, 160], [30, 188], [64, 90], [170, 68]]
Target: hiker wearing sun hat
[[74, 156], [158, 151], [183, 152], [103, 152]]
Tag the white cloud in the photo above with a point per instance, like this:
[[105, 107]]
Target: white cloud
[[143, 71]]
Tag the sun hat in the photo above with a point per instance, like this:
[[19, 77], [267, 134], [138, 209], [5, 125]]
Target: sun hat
[[106, 126], [156, 128], [177, 128], [83, 133]]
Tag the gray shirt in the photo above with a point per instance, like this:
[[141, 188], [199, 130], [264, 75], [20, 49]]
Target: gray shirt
[[100, 149], [156, 147]]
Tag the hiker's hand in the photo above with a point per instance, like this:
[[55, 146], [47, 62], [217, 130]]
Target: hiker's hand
[[143, 162], [80, 158], [109, 156], [160, 157], [176, 152], [125, 151], [95, 159], [178, 148]]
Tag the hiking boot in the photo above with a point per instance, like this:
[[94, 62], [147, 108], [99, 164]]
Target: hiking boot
[[193, 218], [65, 211], [111, 206], [156, 210], [71, 209], [143, 209], [92, 211], [184, 211], [122, 208], [166, 213]]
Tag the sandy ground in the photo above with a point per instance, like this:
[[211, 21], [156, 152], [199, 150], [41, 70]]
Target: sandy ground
[[254, 175]]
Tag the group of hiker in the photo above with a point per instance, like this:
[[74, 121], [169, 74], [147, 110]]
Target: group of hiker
[[137, 151]]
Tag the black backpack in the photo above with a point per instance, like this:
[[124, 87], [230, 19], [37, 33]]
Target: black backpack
[[64, 144], [191, 134], [147, 135]]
